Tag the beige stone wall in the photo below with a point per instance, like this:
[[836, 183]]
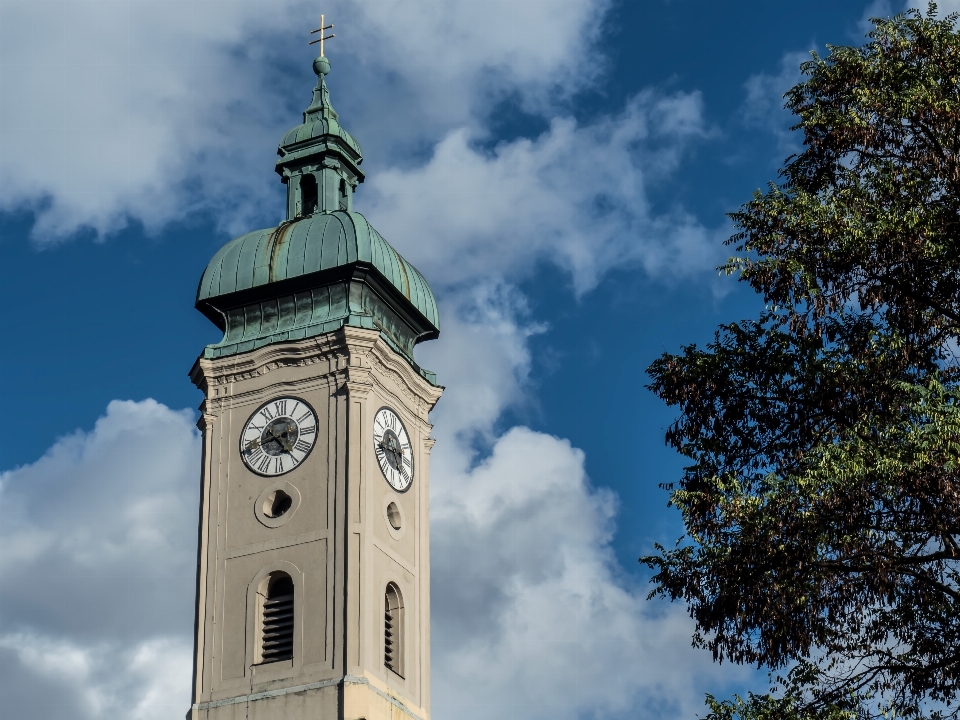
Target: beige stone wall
[[337, 544]]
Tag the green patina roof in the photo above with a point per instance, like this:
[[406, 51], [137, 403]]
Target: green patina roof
[[320, 122], [322, 268], [308, 245], [314, 129]]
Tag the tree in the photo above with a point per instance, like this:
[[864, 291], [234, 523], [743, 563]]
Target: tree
[[822, 502]]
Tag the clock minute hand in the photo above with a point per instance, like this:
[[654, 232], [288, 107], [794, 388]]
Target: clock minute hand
[[285, 440]]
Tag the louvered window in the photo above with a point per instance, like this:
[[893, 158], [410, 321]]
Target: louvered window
[[277, 640], [393, 630]]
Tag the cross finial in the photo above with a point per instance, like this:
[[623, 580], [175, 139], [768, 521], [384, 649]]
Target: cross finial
[[321, 38]]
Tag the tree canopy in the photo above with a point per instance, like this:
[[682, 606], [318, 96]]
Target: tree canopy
[[822, 500]]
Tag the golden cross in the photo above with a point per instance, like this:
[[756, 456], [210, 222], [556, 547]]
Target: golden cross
[[321, 38]]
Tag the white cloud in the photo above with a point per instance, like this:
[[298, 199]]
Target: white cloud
[[483, 359], [147, 681], [574, 196], [532, 614], [764, 105], [98, 567], [149, 111]]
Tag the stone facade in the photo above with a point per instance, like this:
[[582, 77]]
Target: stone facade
[[345, 540]]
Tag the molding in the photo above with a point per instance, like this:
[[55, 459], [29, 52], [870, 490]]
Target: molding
[[206, 420], [252, 549], [292, 491], [350, 354], [267, 694], [391, 498], [348, 680], [255, 596], [394, 556]]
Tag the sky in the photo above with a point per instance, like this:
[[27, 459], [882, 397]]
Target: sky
[[559, 171]]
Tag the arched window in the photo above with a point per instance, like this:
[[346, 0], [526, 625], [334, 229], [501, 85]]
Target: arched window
[[344, 202], [393, 629], [276, 640], [308, 193]]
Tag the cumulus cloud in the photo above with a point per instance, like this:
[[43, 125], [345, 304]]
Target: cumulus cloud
[[150, 111], [153, 112], [484, 360], [55, 678], [98, 568], [575, 196], [532, 614]]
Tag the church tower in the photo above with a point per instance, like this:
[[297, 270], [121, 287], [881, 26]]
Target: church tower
[[313, 585]]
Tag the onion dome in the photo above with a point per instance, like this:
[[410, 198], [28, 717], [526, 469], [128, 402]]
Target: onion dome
[[324, 266]]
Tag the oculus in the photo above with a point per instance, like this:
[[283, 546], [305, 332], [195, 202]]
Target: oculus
[[394, 453], [278, 436]]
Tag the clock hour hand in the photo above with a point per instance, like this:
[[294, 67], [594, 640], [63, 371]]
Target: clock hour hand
[[395, 453], [283, 438]]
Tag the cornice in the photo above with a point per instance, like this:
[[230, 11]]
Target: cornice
[[350, 354]]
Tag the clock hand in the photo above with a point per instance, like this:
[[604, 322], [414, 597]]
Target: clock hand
[[284, 437]]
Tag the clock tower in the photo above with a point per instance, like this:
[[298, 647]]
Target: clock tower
[[313, 580]]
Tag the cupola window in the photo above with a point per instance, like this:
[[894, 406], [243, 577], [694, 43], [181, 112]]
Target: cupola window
[[393, 630], [308, 194], [344, 202], [277, 620]]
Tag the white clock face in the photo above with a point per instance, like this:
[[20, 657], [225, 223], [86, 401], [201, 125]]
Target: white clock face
[[394, 452], [278, 436]]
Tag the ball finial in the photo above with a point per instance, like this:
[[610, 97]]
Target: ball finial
[[321, 66]]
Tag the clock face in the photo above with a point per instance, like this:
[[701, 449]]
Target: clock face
[[394, 452], [278, 436]]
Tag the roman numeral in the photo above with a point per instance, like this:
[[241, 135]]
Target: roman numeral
[[254, 456], [304, 417], [267, 414], [263, 465], [308, 430], [278, 465], [281, 407], [301, 446]]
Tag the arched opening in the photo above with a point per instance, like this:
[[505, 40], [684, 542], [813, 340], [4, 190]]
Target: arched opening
[[344, 201], [393, 630], [308, 194], [276, 636]]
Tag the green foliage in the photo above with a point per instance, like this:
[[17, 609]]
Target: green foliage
[[822, 505]]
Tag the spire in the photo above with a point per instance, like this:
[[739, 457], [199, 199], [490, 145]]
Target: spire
[[320, 107], [319, 160]]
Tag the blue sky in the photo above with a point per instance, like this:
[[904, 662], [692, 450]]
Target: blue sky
[[558, 170]]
